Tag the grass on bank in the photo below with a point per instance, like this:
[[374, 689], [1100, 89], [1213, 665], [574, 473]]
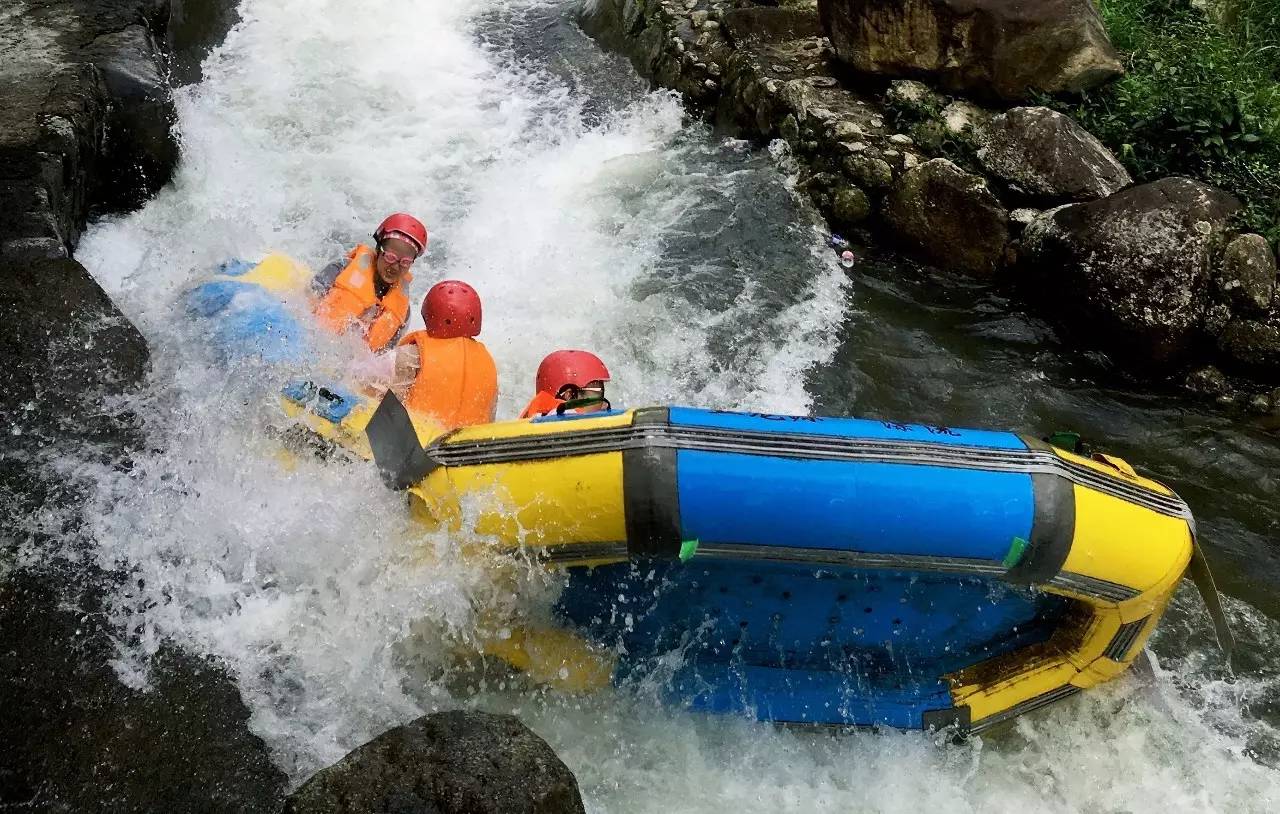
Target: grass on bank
[[1201, 97]]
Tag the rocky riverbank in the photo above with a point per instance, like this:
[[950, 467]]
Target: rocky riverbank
[[86, 127], [914, 125]]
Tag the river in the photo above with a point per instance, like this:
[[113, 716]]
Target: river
[[591, 212]]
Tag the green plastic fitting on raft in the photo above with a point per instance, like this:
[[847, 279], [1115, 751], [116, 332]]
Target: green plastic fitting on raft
[[687, 549], [1065, 439], [1016, 549]]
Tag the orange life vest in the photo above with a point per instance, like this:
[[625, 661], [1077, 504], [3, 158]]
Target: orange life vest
[[457, 381], [542, 404], [353, 298]]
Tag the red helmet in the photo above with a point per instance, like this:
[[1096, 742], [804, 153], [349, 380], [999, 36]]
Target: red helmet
[[403, 226], [451, 309], [576, 367]]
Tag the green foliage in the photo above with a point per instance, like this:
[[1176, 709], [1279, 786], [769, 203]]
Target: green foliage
[[1201, 97]]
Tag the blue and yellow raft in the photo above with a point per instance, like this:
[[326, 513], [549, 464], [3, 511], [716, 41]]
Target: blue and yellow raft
[[814, 570], [811, 570]]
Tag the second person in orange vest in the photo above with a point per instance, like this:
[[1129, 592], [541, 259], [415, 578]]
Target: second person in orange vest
[[569, 377], [441, 372], [368, 290]]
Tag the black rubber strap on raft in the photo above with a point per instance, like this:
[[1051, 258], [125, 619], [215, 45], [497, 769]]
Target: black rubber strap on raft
[[958, 719], [1053, 527], [650, 494]]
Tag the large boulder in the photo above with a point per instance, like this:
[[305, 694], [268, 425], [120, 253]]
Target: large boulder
[[1253, 346], [85, 110], [195, 27], [1004, 48], [1045, 155], [447, 763], [949, 217], [1247, 277], [1131, 270], [77, 739]]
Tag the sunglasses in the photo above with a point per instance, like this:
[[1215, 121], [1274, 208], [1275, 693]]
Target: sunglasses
[[394, 259], [569, 391]]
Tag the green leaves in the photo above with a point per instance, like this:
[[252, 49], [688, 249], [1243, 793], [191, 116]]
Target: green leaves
[[1200, 98]]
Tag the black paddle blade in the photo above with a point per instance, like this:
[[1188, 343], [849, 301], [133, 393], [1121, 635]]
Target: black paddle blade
[[400, 458], [1203, 579]]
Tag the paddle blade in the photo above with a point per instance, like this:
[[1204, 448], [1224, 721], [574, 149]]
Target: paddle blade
[[1203, 579], [401, 459]]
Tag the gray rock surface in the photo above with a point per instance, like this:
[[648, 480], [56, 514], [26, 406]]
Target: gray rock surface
[[1253, 345], [1045, 155], [1131, 270], [84, 123], [75, 738], [1247, 275], [85, 109], [447, 763], [1003, 48], [949, 217]]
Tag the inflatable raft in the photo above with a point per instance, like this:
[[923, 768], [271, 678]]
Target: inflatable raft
[[814, 570], [245, 308]]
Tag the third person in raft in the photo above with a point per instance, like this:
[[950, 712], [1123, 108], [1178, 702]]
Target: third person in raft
[[368, 290], [572, 378], [442, 373]]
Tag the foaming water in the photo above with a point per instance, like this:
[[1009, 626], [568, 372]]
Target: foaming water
[[579, 230], [589, 213]]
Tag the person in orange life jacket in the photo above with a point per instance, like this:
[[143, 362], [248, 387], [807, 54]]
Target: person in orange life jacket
[[369, 287], [574, 378], [442, 372]]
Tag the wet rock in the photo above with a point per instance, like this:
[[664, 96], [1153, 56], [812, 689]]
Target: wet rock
[[140, 150], [77, 739], [1045, 155], [997, 48], [85, 114], [447, 763], [1260, 404], [850, 206], [964, 119], [84, 123], [195, 27], [57, 317], [1131, 269], [1253, 346], [949, 217], [912, 99], [1216, 319], [869, 171], [757, 24], [1247, 277], [1207, 381]]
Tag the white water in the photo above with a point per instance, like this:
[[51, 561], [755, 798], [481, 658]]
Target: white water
[[315, 119]]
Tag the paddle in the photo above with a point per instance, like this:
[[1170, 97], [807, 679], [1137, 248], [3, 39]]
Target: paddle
[[1200, 574], [401, 459]]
